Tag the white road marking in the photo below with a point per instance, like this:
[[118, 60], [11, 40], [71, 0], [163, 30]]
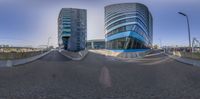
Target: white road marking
[[105, 78]]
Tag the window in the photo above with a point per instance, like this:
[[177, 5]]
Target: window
[[67, 30], [126, 43], [64, 32]]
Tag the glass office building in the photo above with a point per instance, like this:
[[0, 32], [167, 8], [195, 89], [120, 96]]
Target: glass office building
[[72, 29], [96, 44], [128, 27]]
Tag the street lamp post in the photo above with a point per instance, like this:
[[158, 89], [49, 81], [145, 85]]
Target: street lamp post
[[48, 42], [188, 27]]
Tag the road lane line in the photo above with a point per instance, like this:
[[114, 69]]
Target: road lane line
[[105, 78]]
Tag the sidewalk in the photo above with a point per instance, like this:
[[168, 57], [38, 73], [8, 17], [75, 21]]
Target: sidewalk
[[185, 60], [127, 55], [74, 55]]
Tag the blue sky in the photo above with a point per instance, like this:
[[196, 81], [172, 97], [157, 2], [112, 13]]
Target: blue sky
[[31, 22]]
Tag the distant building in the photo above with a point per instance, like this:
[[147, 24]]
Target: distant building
[[96, 44], [72, 29], [128, 27]]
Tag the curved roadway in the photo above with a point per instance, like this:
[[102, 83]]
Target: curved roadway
[[99, 77]]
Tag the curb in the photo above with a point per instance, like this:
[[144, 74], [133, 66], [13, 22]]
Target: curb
[[194, 63], [10, 63], [76, 59], [123, 55], [149, 55]]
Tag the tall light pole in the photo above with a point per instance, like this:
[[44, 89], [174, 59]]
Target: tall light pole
[[160, 43], [188, 27], [48, 42]]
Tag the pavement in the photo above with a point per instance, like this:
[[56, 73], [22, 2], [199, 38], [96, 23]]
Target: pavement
[[74, 55], [100, 77], [194, 62], [121, 54]]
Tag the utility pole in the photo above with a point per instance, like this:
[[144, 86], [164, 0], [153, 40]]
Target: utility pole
[[48, 42]]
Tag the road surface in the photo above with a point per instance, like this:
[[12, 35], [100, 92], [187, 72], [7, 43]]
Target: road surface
[[100, 77]]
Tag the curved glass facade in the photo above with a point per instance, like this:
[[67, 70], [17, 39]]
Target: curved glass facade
[[128, 26]]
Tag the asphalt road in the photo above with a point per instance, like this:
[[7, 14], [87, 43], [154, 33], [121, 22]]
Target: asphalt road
[[100, 77]]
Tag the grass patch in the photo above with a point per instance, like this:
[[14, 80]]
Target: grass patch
[[18, 55]]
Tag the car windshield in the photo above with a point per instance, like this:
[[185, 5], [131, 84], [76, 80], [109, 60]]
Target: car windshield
[[99, 49]]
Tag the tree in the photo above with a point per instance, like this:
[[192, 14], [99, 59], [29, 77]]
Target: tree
[[155, 46]]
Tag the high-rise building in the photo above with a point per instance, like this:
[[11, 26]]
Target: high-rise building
[[128, 27], [72, 29]]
